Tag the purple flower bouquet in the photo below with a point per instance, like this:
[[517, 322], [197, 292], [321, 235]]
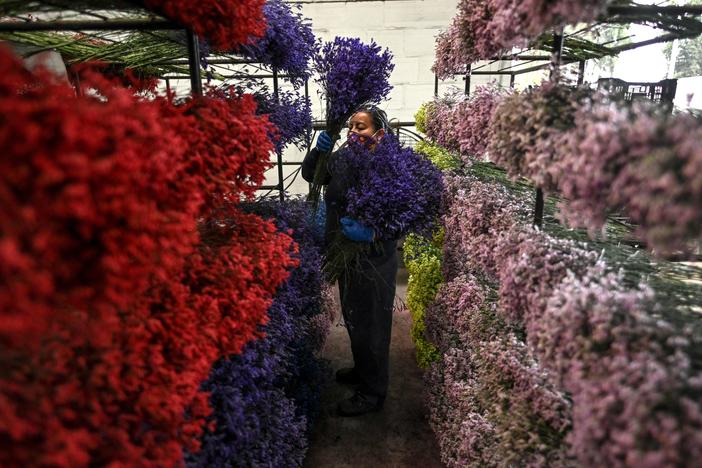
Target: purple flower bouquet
[[350, 73], [392, 190]]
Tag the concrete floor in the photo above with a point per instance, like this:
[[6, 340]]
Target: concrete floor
[[399, 436]]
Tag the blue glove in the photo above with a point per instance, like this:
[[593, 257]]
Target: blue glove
[[324, 143], [356, 231]]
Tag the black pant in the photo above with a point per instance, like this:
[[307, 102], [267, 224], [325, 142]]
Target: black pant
[[367, 298]]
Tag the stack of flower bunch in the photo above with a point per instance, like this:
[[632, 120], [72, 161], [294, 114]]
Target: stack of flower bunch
[[526, 130], [640, 161], [225, 24], [525, 318], [601, 165], [350, 73], [288, 44], [114, 306], [462, 124], [392, 190], [482, 29], [264, 399], [422, 258], [490, 402]]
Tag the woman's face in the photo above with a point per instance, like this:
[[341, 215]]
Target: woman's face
[[362, 124], [362, 130]]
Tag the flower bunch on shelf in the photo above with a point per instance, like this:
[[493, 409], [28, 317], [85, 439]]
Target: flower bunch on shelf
[[421, 117], [422, 257], [516, 22], [226, 24], [558, 315], [642, 162], [288, 44], [290, 114], [462, 124], [442, 122], [477, 214], [438, 155], [475, 116], [265, 398], [533, 264], [392, 190], [349, 73], [469, 37], [483, 29], [121, 273], [526, 131], [239, 160]]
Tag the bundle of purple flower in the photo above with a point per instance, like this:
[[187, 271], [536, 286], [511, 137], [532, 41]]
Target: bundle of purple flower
[[289, 43], [395, 190], [392, 190], [350, 73]]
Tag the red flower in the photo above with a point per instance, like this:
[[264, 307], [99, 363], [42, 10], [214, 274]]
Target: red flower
[[225, 24], [113, 305]]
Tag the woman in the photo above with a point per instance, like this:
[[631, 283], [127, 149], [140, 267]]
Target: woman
[[367, 293]]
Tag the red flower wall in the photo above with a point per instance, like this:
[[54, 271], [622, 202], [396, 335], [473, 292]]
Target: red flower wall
[[114, 301]]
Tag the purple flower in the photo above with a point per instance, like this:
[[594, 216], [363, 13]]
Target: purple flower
[[351, 73], [289, 43], [265, 398], [394, 191], [291, 114]]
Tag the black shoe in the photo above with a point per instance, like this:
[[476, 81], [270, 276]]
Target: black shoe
[[359, 404], [348, 376]]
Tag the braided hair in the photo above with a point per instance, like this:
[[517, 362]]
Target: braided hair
[[378, 116]]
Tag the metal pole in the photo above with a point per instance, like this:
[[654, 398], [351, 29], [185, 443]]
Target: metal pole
[[555, 66], [511, 80], [168, 86], [310, 129], [436, 85], [557, 56], [581, 73], [194, 64], [88, 25], [278, 152], [468, 80]]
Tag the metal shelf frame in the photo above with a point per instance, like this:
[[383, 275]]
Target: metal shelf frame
[[101, 23]]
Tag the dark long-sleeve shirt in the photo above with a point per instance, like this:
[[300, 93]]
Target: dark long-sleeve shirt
[[335, 198]]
